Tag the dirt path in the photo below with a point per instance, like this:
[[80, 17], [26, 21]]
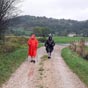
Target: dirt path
[[24, 74], [51, 73]]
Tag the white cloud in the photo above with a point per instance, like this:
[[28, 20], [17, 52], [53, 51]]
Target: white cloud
[[68, 9]]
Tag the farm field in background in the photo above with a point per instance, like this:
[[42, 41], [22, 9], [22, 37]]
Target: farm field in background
[[59, 39], [68, 39]]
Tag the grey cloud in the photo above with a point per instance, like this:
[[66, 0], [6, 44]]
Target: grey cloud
[[68, 9]]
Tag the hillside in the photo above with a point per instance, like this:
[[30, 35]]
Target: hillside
[[23, 25]]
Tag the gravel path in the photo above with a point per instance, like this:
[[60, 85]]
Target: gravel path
[[56, 73]]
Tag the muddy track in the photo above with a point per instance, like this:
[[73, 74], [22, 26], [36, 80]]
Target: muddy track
[[54, 74]]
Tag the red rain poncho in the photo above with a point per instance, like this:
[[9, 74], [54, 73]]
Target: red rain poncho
[[33, 45]]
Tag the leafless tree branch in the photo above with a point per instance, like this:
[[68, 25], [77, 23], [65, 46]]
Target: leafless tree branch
[[7, 9]]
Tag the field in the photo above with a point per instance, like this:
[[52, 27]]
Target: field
[[77, 64], [68, 39]]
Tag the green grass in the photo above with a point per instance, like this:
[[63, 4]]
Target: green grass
[[40, 45], [10, 62], [77, 64], [68, 39]]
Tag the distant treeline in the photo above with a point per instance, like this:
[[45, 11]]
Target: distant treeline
[[24, 25]]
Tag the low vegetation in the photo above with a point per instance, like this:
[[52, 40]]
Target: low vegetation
[[42, 39], [68, 39], [76, 63], [80, 48], [12, 54], [41, 71], [10, 62], [13, 43]]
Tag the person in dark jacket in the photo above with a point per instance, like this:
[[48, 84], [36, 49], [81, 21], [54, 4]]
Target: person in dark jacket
[[49, 44]]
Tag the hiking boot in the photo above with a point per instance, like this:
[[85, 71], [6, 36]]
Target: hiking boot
[[49, 57], [33, 61]]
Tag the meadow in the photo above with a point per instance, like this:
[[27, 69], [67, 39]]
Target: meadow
[[68, 39]]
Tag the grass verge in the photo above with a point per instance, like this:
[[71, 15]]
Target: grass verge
[[77, 64], [10, 62]]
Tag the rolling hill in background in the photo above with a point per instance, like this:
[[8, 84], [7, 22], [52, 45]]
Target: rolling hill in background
[[23, 25]]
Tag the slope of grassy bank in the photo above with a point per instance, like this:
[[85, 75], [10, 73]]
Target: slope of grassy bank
[[77, 64], [68, 39]]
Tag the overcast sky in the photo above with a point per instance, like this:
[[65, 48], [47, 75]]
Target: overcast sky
[[67, 9]]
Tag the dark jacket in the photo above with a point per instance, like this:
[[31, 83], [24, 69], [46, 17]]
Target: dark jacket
[[49, 44]]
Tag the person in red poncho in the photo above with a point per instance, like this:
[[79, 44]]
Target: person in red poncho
[[33, 45]]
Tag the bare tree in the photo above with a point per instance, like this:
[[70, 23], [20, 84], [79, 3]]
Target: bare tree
[[7, 10]]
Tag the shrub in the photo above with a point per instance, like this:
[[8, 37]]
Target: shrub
[[42, 39], [9, 47], [79, 50], [78, 47], [22, 40], [12, 43], [72, 46], [85, 54], [12, 39]]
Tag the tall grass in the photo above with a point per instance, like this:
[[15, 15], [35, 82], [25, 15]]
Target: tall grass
[[77, 64]]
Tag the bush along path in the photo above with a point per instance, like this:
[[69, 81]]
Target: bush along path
[[46, 73]]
